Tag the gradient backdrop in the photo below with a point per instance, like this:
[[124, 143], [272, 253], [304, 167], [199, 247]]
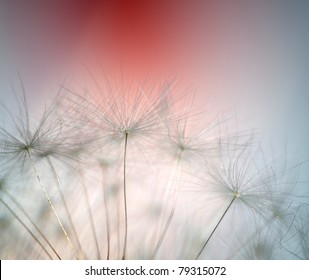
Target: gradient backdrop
[[251, 55]]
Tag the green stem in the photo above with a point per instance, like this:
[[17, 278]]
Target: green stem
[[215, 228]]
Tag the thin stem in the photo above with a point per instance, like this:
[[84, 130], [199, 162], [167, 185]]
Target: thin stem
[[118, 213], [91, 218], [171, 215], [26, 227], [106, 219], [32, 222], [66, 208], [125, 196], [52, 206], [166, 227], [215, 228]]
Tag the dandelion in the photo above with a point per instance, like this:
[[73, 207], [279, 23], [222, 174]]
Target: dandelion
[[193, 135], [29, 144], [123, 116], [254, 193], [242, 203]]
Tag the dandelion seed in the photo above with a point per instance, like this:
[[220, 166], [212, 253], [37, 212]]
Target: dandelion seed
[[254, 193], [121, 120], [29, 144], [192, 136]]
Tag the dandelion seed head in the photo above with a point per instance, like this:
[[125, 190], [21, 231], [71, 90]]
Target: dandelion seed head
[[237, 194], [235, 188], [49, 136]]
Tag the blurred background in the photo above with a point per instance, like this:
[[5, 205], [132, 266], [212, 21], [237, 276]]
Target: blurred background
[[247, 52], [251, 56]]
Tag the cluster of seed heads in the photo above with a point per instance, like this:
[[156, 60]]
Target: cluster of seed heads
[[143, 173]]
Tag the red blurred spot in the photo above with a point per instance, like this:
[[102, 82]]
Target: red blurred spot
[[137, 31]]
